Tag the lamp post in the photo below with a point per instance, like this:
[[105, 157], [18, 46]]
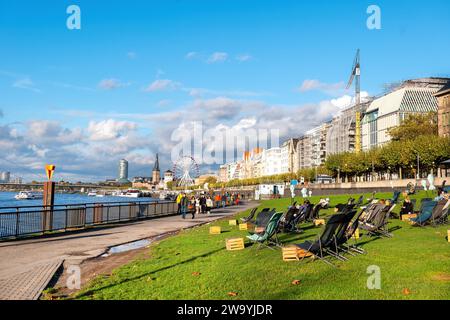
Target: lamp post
[[418, 166]]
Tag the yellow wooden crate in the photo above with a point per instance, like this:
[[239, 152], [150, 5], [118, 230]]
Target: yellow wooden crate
[[233, 244], [293, 253], [243, 226], [290, 253], [356, 234], [215, 230], [232, 222], [319, 222], [408, 217]]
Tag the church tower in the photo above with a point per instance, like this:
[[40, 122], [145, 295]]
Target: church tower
[[156, 173]]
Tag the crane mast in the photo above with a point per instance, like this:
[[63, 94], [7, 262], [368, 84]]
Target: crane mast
[[355, 76]]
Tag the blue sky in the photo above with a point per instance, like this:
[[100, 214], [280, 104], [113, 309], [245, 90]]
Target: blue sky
[[134, 63]]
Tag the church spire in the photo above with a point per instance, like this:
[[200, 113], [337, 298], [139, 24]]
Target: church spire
[[156, 166]]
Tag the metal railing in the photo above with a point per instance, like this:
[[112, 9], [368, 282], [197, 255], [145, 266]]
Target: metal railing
[[37, 220]]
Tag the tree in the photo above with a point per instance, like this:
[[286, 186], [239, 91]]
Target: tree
[[415, 125]]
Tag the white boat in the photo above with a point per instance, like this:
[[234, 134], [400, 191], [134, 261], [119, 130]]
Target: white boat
[[131, 193], [92, 194], [28, 195]]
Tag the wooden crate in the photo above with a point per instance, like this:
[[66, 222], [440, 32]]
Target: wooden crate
[[232, 222], [290, 253], [294, 253], [319, 222], [233, 244], [243, 226], [215, 230], [356, 234], [408, 217]]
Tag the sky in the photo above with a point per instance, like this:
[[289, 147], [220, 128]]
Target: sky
[[137, 71]]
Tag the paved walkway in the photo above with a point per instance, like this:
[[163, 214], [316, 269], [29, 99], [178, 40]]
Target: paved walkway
[[27, 266]]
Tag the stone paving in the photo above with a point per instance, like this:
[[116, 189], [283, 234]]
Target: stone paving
[[28, 285], [27, 266]]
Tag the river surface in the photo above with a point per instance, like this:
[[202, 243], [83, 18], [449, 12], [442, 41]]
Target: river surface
[[7, 199]]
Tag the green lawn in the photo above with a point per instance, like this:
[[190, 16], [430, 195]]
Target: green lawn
[[415, 264]]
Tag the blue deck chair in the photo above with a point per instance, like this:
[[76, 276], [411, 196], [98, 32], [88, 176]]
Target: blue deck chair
[[425, 213]]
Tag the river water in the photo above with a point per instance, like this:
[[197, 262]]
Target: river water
[[7, 199]]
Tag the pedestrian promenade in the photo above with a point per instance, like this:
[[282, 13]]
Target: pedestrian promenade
[[26, 266]]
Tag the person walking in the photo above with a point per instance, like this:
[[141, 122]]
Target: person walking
[[224, 200], [178, 201], [209, 205], [184, 202], [197, 207], [217, 198], [203, 203]]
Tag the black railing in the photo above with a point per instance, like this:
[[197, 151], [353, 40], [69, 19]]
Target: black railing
[[36, 220]]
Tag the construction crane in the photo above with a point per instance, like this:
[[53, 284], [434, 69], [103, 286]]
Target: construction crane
[[355, 75]]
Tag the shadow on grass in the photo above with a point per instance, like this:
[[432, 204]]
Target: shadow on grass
[[92, 291]]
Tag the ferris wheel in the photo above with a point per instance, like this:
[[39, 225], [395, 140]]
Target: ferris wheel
[[185, 170]]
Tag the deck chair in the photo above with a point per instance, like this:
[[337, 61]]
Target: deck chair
[[263, 218], [250, 216], [317, 248], [377, 225], [309, 212], [341, 236], [315, 211], [360, 201], [351, 229], [423, 201], [285, 224], [445, 213], [370, 200], [254, 220], [265, 238], [425, 214], [299, 216], [370, 212], [439, 211]]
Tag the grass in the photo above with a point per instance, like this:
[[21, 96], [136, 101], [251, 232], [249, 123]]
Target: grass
[[414, 264]]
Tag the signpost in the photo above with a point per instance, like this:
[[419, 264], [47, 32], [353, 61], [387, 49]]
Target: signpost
[[48, 199]]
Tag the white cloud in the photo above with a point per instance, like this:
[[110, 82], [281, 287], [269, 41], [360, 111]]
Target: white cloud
[[217, 57], [316, 85], [191, 55], [109, 129], [111, 84], [25, 83], [162, 85], [243, 57]]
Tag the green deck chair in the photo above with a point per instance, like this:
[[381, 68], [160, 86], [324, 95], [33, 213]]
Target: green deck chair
[[269, 232]]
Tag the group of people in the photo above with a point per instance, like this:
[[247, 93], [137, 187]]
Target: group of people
[[408, 205], [204, 203], [221, 200]]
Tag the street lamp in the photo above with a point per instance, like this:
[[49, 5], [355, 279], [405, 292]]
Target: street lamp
[[418, 166]]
